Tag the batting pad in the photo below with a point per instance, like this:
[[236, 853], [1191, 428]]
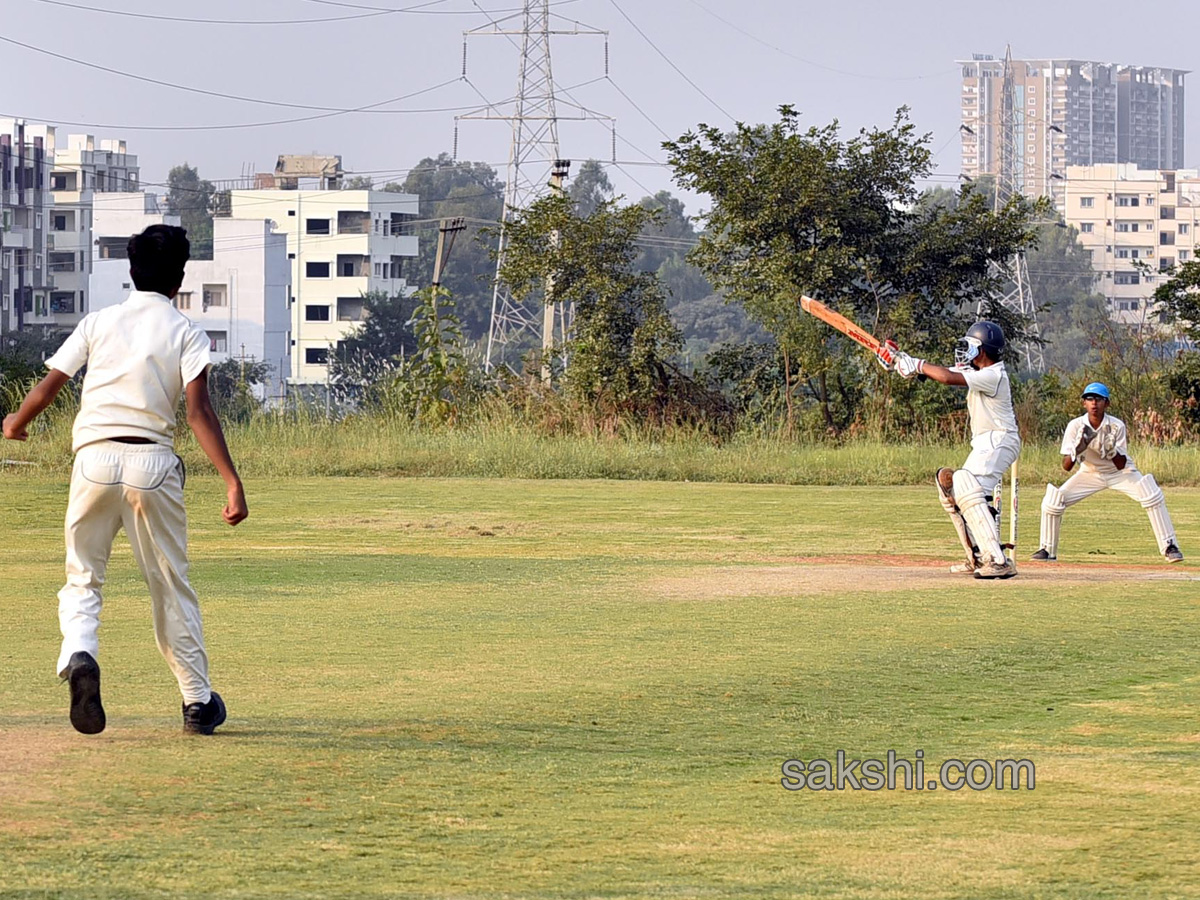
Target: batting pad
[[973, 505], [1053, 507]]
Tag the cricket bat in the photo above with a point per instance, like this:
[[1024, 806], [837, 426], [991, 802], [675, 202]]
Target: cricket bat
[[841, 323]]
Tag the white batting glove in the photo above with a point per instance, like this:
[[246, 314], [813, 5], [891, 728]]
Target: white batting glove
[[907, 366]]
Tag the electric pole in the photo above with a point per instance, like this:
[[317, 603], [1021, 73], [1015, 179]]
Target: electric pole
[[1018, 292], [533, 153]]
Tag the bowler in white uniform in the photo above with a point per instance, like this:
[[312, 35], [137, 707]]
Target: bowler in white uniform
[[1099, 444], [141, 356]]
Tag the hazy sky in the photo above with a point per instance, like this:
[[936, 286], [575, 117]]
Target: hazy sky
[[850, 60]]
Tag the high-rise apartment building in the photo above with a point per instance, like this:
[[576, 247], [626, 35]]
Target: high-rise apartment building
[[26, 150], [1069, 112]]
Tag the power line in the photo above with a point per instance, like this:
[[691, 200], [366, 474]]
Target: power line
[[262, 124], [678, 70], [809, 62], [459, 12], [371, 107], [189, 20]]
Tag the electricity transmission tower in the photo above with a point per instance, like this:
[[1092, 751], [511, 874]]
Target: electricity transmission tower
[[533, 154], [1018, 293]]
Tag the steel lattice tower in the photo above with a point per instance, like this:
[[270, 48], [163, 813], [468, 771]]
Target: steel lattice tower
[[533, 153], [1018, 292]]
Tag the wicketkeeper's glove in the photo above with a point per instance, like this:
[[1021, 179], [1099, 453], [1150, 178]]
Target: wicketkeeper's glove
[[1085, 438]]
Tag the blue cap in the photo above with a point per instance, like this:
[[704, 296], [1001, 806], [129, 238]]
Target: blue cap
[[1100, 390]]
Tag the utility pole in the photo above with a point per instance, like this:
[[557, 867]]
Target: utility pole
[[534, 149], [448, 230], [1018, 292], [557, 176]]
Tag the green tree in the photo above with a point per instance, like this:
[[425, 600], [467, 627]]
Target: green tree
[[1178, 300], [435, 382], [448, 188], [621, 336], [806, 212], [231, 385], [358, 183], [368, 356], [191, 198], [589, 188]]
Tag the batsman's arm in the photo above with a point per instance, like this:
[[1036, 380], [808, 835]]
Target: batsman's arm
[[203, 421], [16, 424], [941, 373], [1068, 463]]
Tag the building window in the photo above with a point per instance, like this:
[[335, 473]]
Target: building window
[[291, 212], [183, 300], [316, 313], [1086, 227], [62, 302], [316, 270], [1183, 255], [1087, 202], [1183, 229], [218, 341], [214, 295], [59, 222], [1126, 200], [1166, 212], [1127, 278], [350, 309], [58, 182], [316, 226], [1166, 239], [316, 356]]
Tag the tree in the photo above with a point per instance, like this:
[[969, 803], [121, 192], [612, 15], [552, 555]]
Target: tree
[[434, 382], [358, 183], [621, 336], [1178, 299], [589, 188], [191, 198], [805, 212], [449, 188], [231, 385], [368, 355]]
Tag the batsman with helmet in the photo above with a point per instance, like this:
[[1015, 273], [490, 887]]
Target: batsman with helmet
[[1098, 442], [966, 493]]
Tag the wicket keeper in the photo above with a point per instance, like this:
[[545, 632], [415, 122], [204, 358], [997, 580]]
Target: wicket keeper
[[1099, 443]]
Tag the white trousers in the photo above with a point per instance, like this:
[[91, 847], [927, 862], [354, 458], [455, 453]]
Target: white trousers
[[992, 452], [140, 487]]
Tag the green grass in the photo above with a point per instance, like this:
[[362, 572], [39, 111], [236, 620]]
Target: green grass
[[373, 446], [466, 688]]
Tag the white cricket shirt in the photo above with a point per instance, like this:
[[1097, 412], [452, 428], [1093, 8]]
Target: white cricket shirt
[[139, 356], [1111, 439], [989, 400]]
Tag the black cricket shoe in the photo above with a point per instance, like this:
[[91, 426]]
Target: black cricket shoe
[[203, 718], [83, 678], [1173, 553], [1044, 556]]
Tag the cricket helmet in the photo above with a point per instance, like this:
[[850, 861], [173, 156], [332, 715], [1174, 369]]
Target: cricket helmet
[[987, 336]]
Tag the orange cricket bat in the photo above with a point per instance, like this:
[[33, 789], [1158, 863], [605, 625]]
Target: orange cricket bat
[[841, 323]]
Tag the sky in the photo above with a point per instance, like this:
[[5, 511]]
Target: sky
[[672, 64]]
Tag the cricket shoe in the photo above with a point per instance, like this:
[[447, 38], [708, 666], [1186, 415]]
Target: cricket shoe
[[1173, 553], [203, 718], [965, 568], [991, 569], [83, 678], [1043, 555]]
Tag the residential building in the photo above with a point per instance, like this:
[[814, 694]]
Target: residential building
[[240, 296], [1070, 112], [1130, 218], [25, 284], [81, 172], [343, 245]]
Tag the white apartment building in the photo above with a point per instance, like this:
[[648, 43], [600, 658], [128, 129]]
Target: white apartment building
[[1128, 216], [25, 284], [341, 246], [81, 172], [240, 296]]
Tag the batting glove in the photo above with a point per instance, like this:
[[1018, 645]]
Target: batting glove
[[907, 366], [886, 354]]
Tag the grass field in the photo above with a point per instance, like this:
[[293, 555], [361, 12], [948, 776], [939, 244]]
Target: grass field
[[469, 688]]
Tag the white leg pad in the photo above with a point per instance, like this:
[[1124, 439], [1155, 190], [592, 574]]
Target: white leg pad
[[972, 503], [1053, 507], [956, 519], [1150, 495]]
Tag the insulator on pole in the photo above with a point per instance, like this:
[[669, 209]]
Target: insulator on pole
[[606, 55], [455, 154], [464, 69], [614, 140]]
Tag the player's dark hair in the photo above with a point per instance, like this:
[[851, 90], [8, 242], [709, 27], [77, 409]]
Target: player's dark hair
[[157, 257]]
